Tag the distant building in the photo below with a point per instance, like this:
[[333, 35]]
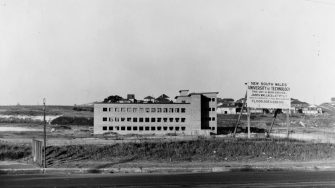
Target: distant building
[[312, 110], [297, 106], [226, 101], [190, 114], [226, 109]]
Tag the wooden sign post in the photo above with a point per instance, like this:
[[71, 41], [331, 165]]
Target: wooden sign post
[[249, 114], [288, 122]]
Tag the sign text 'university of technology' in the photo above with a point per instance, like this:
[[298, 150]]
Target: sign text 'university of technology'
[[268, 95]]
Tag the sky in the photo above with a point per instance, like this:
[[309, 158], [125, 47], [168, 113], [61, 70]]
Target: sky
[[80, 51]]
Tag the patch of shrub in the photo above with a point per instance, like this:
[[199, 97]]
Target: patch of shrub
[[65, 120], [20, 120], [77, 108], [199, 150], [14, 151]]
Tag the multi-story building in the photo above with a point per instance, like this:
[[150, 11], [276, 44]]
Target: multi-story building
[[190, 114]]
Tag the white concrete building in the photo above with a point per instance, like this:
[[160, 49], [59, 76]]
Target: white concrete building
[[190, 114]]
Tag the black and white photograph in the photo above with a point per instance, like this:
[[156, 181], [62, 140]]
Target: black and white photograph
[[167, 93]]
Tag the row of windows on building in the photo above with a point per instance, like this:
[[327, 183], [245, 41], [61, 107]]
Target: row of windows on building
[[147, 110], [152, 120], [143, 119], [142, 128]]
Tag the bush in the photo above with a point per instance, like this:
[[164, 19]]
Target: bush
[[89, 109], [14, 151], [199, 150], [64, 120]]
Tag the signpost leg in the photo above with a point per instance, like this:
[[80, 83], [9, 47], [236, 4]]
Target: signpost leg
[[249, 114], [239, 116], [288, 122]]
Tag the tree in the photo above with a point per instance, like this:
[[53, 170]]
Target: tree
[[112, 99]]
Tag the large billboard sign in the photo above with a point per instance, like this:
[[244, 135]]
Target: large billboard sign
[[268, 95]]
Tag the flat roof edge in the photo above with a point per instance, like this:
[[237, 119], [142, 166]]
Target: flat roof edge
[[136, 103]]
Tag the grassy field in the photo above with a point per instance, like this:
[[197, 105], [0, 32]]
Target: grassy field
[[200, 150], [37, 110]]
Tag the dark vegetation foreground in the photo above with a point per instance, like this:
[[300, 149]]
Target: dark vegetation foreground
[[207, 150]]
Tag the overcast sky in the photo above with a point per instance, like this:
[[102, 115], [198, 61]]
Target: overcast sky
[[79, 51]]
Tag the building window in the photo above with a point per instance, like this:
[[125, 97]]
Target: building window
[[110, 119], [165, 128], [153, 119], [135, 128], [177, 128], [134, 109], [147, 119], [117, 128], [183, 120], [123, 109], [128, 109], [213, 118], [165, 110], [209, 109], [213, 109], [104, 109], [141, 128], [213, 99], [183, 101], [147, 128], [183, 128], [153, 110], [183, 110], [170, 110], [104, 128], [135, 119], [129, 119], [110, 128], [159, 119], [110, 109], [147, 110], [171, 119], [165, 119], [128, 128], [213, 128], [116, 109], [140, 119], [141, 110], [122, 119], [117, 119], [123, 128], [177, 119], [159, 110], [104, 119], [171, 128], [176, 110], [153, 128], [159, 128]]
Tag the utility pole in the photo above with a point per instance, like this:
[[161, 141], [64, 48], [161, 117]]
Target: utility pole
[[45, 136]]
